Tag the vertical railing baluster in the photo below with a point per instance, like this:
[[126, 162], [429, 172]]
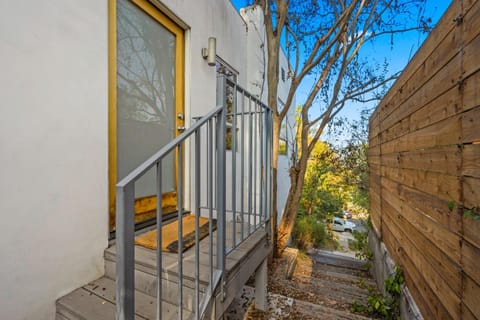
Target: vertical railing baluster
[[197, 224], [242, 171], [125, 233], [221, 174], [234, 166], [180, 228], [210, 196], [255, 159], [262, 158], [159, 239], [250, 151], [267, 173]]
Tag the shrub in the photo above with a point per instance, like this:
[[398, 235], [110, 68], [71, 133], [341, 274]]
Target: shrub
[[308, 232], [386, 307]]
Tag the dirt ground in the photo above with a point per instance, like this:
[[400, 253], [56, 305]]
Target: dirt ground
[[323, 286]]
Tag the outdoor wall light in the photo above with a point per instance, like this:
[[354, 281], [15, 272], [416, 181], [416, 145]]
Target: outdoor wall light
[[210, 53]]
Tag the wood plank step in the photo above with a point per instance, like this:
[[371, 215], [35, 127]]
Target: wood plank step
[[97, 301], [326, 257], [326, 313], [299, 290], [318, 271], [334, 287], [321, 267]]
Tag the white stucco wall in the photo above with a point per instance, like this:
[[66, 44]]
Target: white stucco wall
[[287, 133], [53, 151], [256, 52], [204, 19]]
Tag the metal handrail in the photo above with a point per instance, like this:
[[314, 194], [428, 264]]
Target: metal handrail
[[165, 150], [246, 93], [247, 112]]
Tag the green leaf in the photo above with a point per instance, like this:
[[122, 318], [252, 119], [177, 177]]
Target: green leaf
[[467, 214], [377, 305], [451, 205], [476, 217]]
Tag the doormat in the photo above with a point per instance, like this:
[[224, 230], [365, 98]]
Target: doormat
[[170, 234]]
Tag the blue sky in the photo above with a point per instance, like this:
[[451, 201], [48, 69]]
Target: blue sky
[[404, 47]]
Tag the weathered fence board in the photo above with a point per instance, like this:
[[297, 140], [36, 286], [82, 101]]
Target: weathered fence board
[[420, 244], [470, 129], [443, 107], [428, 270], [444, 186], [471, 232], [471, 91], [445, 132], [425, 156], [470, 57], [447, 159], [443, 28], [433, 207], [426, 299], [471, 192], [472, 296], [471, 258], [441, 82], [444, 240], [471, 160]]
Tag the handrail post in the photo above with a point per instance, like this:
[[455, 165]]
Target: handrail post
[[221, 173], [125, 233]]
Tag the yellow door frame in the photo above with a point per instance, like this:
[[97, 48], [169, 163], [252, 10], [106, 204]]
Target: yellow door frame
[[146, 204]]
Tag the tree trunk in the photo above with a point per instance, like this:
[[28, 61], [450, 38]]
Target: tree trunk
[[274, 213], [297, 180], [273, 30]]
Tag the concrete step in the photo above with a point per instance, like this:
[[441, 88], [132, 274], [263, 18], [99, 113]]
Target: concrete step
[[96, 301], [145, 261], [146, 275]]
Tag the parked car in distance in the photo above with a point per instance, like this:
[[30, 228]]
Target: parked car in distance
[[347, 214], [342, 225]]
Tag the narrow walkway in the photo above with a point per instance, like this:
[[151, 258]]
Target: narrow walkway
[[323, 286]]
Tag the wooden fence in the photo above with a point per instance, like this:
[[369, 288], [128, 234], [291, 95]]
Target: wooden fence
[[424, 153]]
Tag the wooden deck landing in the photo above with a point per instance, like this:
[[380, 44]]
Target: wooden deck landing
[[96, 300]]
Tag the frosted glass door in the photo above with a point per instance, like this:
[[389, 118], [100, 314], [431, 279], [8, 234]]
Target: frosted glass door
[[145, 95]]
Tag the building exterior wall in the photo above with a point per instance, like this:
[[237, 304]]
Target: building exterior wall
[[287, 134], [54, 135], [203, 19], [53, 141]]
